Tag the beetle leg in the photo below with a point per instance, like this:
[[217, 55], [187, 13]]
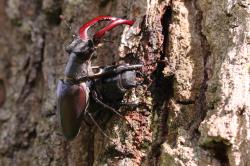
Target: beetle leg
[[94, 95], [116, 69], [109, 71], [133, 104], [92, 118], [84, 120]]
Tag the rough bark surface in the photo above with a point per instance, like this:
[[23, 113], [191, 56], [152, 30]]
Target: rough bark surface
[[196, 106]]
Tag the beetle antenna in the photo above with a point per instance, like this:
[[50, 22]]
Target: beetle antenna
[[91, 117]]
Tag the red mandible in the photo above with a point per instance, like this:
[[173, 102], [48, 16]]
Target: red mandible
[[83, 31]]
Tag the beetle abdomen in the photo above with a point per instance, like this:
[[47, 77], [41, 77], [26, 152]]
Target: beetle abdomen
[[72, 100]]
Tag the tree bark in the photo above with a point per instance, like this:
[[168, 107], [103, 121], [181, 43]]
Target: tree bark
[[195, 105]]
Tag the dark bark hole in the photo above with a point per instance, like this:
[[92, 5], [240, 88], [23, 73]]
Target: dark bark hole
[[219, 150], [2, 93], [220, 153], [163, 86], [163, 89], [165, 22], [53, 15], [186, 102]]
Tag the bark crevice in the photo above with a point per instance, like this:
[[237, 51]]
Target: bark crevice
[[2, 92], [162, 92], [33, 69], [201, 101]]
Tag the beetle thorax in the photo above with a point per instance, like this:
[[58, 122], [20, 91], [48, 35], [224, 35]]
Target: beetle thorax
[[76, 69]]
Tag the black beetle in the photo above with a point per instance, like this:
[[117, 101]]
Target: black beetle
[[81, 82]]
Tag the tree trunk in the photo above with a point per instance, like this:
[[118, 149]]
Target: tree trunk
[[195, 105]]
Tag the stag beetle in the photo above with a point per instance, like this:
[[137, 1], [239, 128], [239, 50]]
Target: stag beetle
[[81, 80]]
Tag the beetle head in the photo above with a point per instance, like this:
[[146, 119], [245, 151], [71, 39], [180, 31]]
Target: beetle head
[[82, 48], [83, 45]]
